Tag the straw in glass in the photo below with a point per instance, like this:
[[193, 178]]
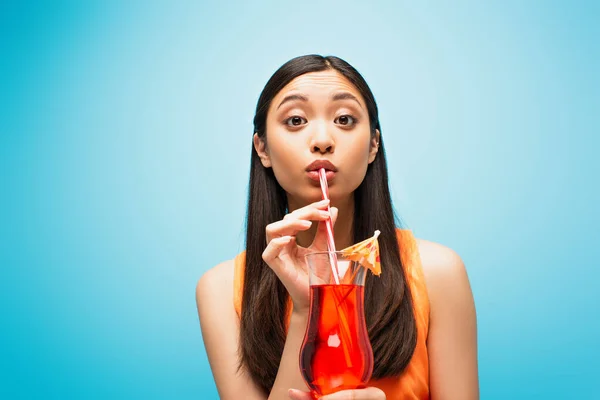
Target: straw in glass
[[329, 226], [345, 331]]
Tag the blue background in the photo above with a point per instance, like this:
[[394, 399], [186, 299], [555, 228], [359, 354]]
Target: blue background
[[125, 136]]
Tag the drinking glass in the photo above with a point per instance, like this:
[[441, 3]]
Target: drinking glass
[[336, 353]]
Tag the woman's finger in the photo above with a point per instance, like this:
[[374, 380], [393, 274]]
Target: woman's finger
[[320, 240], [370, 393], [286, 228], [296, 394], [299, 220], [272, 252], [309, 212]]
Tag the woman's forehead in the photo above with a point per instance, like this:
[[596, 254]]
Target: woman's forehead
[[318, 84]]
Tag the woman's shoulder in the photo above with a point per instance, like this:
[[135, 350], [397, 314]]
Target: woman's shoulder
[[437, 258], [434, 258], [216, 281], [444, 271]]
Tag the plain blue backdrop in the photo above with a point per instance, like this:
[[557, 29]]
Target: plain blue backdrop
[[125, 137]]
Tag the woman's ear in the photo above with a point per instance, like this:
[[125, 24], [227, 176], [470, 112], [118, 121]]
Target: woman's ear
[[261, 148], [374, 146]]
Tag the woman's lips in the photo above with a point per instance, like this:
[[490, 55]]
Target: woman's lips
[[314, 175]]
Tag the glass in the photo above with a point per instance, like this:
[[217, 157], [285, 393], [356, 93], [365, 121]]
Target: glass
[[336, 353]]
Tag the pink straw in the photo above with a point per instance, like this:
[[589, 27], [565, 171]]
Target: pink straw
[[345, 331], [329, 226]]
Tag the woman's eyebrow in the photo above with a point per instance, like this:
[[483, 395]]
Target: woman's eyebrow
[[334, 97], [292, 97], [345, 96]]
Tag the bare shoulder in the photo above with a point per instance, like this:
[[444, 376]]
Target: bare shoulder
[[445, 274], [220, 275], [439, 260], [217, 282]]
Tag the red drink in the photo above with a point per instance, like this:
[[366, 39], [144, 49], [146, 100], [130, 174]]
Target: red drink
[[336, 353]]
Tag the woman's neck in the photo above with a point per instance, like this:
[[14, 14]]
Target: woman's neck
[[342, 230]]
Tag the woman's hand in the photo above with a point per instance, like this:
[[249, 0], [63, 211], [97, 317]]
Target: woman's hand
[[286, 258], [370, 393]]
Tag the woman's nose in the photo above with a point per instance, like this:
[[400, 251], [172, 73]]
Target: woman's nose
[[322, 140]]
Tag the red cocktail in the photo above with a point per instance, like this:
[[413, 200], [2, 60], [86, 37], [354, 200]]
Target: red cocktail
[[336, 353]]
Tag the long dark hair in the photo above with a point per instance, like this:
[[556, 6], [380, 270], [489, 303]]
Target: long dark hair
[[388, 303]]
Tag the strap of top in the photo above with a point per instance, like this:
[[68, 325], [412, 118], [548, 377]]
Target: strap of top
[[411, 260]]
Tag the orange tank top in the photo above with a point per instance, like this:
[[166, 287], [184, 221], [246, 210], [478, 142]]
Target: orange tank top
[[413, 384]]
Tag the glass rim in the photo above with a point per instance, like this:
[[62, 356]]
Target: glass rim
[[323, 252]]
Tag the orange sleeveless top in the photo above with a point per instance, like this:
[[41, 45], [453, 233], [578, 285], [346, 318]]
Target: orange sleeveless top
[[413, 384]]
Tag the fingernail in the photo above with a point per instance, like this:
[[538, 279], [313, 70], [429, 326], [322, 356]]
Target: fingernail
[[306, 223], [324, 201], [324, 214]]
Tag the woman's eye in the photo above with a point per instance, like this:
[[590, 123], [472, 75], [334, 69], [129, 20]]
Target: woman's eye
[[295, 120], [346, 120]]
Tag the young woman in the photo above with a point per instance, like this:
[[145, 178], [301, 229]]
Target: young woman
[[319, 112]]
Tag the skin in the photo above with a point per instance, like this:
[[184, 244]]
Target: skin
[[298, 133]]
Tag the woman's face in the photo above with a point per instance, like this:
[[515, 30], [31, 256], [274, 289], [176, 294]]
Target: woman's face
[[318, 117]]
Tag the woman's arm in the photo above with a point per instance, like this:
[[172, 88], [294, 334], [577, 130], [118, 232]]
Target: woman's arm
[[288, 375], [452, 339], [220, 331]]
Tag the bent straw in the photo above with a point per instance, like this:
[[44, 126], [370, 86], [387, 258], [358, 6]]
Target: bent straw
[[329, 226], [345, 331]]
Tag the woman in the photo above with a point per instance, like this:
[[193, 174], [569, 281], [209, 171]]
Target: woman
[[319, 112]]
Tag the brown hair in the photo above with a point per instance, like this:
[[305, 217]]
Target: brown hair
[[388, 303]]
